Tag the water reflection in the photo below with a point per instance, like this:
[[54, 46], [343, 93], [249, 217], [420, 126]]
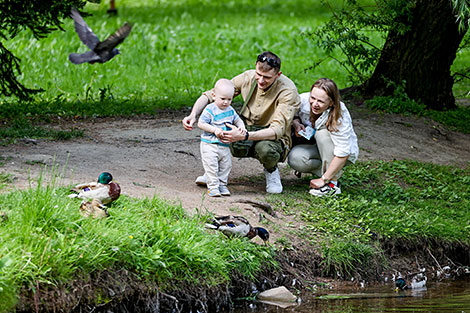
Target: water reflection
[[453, 296]]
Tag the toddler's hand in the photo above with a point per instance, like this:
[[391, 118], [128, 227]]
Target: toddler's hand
[[218, 132]]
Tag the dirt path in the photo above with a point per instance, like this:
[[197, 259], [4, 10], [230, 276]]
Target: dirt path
[[154, 155]]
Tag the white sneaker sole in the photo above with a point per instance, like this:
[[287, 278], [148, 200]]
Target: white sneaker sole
[[316, 193]]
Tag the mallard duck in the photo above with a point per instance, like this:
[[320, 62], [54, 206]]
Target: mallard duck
[[400, 284], [238, 226], [93, 208], [417, 281], [104, 189]]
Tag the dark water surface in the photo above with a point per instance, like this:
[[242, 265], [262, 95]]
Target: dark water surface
[[450, 296]]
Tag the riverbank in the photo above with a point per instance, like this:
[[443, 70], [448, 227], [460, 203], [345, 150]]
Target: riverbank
[[149, 256], [123, 291], [394, 215]]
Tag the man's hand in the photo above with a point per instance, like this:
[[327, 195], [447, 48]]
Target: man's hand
[[235, 134], [188, 122]]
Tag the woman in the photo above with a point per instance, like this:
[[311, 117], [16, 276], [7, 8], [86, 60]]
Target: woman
[[335, 140]]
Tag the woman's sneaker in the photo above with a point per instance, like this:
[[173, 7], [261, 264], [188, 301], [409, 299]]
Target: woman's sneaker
[[329, 189]]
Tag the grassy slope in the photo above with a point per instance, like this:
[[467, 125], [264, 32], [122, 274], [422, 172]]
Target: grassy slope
[[45, 240], [399, 201]]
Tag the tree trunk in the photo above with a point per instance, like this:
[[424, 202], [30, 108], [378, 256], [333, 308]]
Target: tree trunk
[[422, 56]]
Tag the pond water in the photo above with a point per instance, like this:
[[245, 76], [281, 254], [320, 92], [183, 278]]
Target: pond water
[[450, 296]]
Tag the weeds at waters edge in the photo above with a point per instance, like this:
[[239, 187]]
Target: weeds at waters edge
[[45, 240], [382, 202]]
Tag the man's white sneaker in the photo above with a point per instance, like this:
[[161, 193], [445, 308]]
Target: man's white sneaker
[[201, 180], [273, 181], [327, 190]]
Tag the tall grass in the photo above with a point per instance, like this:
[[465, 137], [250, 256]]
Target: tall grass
[[45, 240]]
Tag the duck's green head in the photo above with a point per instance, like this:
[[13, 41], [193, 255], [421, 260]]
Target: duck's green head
[[105, 178], [400, 283]]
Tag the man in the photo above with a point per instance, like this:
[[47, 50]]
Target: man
[[270, 102]]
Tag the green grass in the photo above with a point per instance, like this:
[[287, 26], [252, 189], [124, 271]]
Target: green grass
[[399, 103], [24, 128], [45, 240], [176, 50], [391, 201], [5, 179], [455, 119]]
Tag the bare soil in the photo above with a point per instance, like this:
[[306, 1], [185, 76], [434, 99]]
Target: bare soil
[[155, 156]]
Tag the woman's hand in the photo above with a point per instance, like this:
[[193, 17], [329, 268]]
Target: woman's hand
[[317, 183], [298, 126]]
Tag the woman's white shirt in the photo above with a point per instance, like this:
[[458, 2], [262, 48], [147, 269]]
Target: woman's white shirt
[[344, 140]]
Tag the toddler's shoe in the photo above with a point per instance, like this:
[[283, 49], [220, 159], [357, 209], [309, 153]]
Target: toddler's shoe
[[224, 191], [213, 192], [201, 180]]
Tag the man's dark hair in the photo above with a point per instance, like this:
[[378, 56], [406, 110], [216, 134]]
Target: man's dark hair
[[269, 60]]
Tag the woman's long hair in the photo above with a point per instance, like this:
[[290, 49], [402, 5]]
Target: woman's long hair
[[332, 91]]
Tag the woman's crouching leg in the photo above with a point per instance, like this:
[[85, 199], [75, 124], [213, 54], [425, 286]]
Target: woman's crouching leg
[[305, 159]]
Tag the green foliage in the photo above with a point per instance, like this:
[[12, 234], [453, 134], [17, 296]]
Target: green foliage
[[382, 202], [462, 9], [354, 35], [46, 240], [345, 256], [23, 128], [5, 178], [399, 102], [164, 62], [40, 17]]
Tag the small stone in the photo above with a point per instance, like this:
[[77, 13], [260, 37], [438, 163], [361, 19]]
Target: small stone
[[281, 294]]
